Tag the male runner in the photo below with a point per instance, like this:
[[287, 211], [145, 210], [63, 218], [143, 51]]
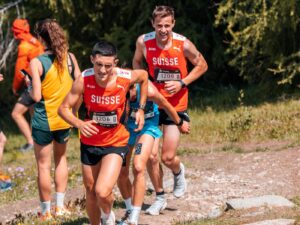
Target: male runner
[[166, 54]]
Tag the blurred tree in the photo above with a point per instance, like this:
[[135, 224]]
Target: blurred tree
[[262, 38]]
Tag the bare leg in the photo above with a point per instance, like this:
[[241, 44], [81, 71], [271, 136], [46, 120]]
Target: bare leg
[[18, 116], [108, 175], [171, 140], [145, 142], [61, 167], [124, 183], [90, 174], [43, 160], [2, 144], [154, 168]]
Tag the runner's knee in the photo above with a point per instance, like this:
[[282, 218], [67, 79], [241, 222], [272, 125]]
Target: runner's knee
[[154, 158], [103, 192], [168, 159], [138, 169]]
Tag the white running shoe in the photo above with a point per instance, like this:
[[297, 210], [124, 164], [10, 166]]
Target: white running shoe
[[111, 220], [179, 183], [159, 205]]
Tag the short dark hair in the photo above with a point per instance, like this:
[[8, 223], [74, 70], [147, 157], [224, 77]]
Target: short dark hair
[[163, 11], [104, 48]]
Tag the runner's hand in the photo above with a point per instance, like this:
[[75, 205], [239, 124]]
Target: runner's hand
[[27, 81], [1, 77], [139, 120], [172, 87], [185, 128], [87, 128]]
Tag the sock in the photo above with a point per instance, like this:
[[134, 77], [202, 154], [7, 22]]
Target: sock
[[105, 215], [128, 204], [45, 207], [60, 197], [135, 213], [160, 196]]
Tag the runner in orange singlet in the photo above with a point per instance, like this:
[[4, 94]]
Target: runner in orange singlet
[[166, 54], [104, 138]]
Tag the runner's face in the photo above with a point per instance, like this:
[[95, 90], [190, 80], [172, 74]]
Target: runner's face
[[103, 66], [163, 28]]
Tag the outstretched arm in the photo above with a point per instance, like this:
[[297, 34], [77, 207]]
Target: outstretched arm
[[200, 67], [155, 96], [141, 77]]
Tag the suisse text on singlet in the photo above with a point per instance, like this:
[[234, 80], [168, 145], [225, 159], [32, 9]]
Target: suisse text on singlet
[[105, 100], [165, 61]]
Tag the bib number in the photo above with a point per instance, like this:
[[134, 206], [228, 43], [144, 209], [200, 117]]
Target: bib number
[[162, 75], [106, 119]]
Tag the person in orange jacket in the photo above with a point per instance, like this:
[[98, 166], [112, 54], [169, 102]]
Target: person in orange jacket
[[28, 48]]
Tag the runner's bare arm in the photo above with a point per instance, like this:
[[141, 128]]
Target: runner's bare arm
[[155, 96], [137, 62], [71, 100], [141, 77], [196, 58], [77, 71], [200, 66], [36, 72]]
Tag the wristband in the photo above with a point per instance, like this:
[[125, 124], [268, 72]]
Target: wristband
[[183, 85], [142, 107], [180, 122]]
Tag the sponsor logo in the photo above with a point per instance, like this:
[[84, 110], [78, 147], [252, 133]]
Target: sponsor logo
[[120, 86], [90, 86], [151, 49], [176, 48]]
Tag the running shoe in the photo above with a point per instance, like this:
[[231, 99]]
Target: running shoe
[[27, 147], [111, 220], [61, 211], [5, 186], [46, 217], [5, 183], [159, 205], [179, 183]]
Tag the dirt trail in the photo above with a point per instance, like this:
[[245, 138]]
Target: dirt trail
[[212, 178]]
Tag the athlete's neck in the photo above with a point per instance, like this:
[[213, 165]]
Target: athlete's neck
[[164, 44], [109, 83]]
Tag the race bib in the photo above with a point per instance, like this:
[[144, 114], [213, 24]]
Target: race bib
[[106, 119], [162, 75]]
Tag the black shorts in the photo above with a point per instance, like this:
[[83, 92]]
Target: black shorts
[[25, 99], [91, 155], [164, 119], [43, 138]]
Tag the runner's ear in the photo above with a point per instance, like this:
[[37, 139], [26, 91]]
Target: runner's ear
[[92, 59], [116, 61]]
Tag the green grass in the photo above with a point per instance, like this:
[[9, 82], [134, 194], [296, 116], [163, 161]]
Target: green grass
[[221, 121], [22, 169]]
